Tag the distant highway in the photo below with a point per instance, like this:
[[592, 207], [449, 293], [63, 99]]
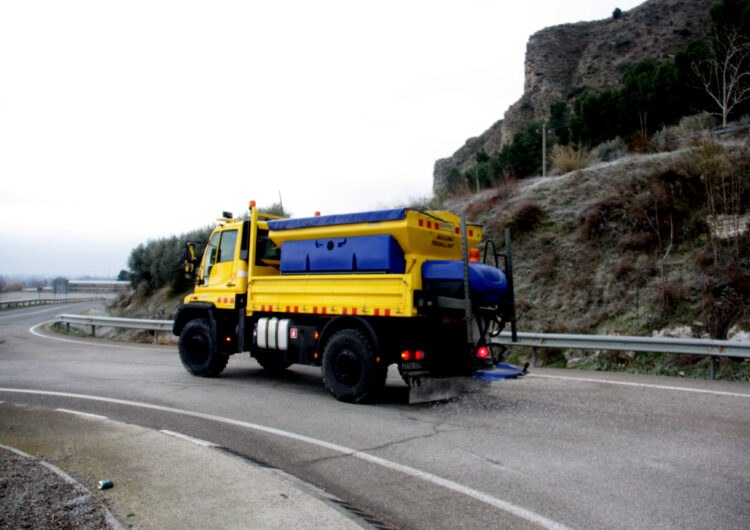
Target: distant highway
[[557, 449], [29, 295]]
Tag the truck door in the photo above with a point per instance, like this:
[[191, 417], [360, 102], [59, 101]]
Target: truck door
[[220, 256]]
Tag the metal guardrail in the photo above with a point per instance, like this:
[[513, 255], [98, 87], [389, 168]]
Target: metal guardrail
[[44, 301], [731, 129], [113, 322], [708, 347]]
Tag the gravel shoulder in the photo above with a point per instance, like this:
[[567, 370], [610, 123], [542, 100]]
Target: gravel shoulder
[[34, 496]]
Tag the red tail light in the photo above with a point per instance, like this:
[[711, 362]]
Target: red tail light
[[483, 352], [408, 355]]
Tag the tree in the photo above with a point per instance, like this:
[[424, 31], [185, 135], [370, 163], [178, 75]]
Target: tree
[[276, 208], [617, 13], [481, 156], [722, 65], [523, 157], [559, 118]]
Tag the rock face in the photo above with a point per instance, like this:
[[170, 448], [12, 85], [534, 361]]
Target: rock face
[[562, 61]]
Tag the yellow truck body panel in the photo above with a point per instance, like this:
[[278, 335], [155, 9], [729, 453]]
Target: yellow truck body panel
[[433, 235]]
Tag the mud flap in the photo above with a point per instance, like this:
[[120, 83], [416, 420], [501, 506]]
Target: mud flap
[[426, 389]]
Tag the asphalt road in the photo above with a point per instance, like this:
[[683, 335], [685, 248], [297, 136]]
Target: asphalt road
[[554, 449]]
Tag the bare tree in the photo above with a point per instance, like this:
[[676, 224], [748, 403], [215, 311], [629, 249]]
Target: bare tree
[[724, 71]]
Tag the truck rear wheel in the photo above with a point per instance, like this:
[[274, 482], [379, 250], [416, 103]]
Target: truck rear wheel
[[350, 370], [198, 351]]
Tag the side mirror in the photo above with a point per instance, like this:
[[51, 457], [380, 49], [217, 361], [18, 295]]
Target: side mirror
[[189, 260]]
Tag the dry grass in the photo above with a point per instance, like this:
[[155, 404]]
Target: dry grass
[[504, 189], [567, 158]]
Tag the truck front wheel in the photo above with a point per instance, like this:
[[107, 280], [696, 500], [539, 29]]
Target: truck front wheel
[[350, 370], [198, 351]]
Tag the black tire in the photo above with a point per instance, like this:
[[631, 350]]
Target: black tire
[[274, 365], [198, 350], [350, 370]]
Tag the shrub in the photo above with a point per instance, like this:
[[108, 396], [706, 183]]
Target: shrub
[[505, 188], [726, 292], [593, 220], [673, 294], [567, 158], [667, 139], [623, 269], [611, 150], [480, 206], [704, 260], [640, 241], [645, 266], [697, 123], [640, 143], [545, 270], [525, 217]]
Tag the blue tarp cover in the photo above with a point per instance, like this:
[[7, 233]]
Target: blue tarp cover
[[484, 279], [338, 219], [503, 371]]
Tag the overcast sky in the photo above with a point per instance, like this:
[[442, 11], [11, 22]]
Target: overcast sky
[[122, 122]]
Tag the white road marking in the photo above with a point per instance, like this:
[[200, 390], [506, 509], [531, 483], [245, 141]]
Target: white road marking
[[506, 506], [187, 438], [642, 385], [84, 414], [103, 344]]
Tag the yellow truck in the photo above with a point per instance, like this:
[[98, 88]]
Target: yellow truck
[[351, 293]]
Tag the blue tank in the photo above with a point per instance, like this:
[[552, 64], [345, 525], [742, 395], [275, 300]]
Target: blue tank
[[447, 277]]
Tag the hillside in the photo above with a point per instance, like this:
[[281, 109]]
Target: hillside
[[588, 248], [563, 61]]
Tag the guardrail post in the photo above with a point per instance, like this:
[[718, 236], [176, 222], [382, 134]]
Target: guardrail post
[[156, 336], [713, 366], [93, 330], [533, 357], [67, 327]]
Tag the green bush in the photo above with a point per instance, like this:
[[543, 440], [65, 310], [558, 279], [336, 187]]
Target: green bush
[[159, 263], [610, 150]]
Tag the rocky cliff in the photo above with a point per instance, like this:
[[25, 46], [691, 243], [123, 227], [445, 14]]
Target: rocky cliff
[[562, 61]]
